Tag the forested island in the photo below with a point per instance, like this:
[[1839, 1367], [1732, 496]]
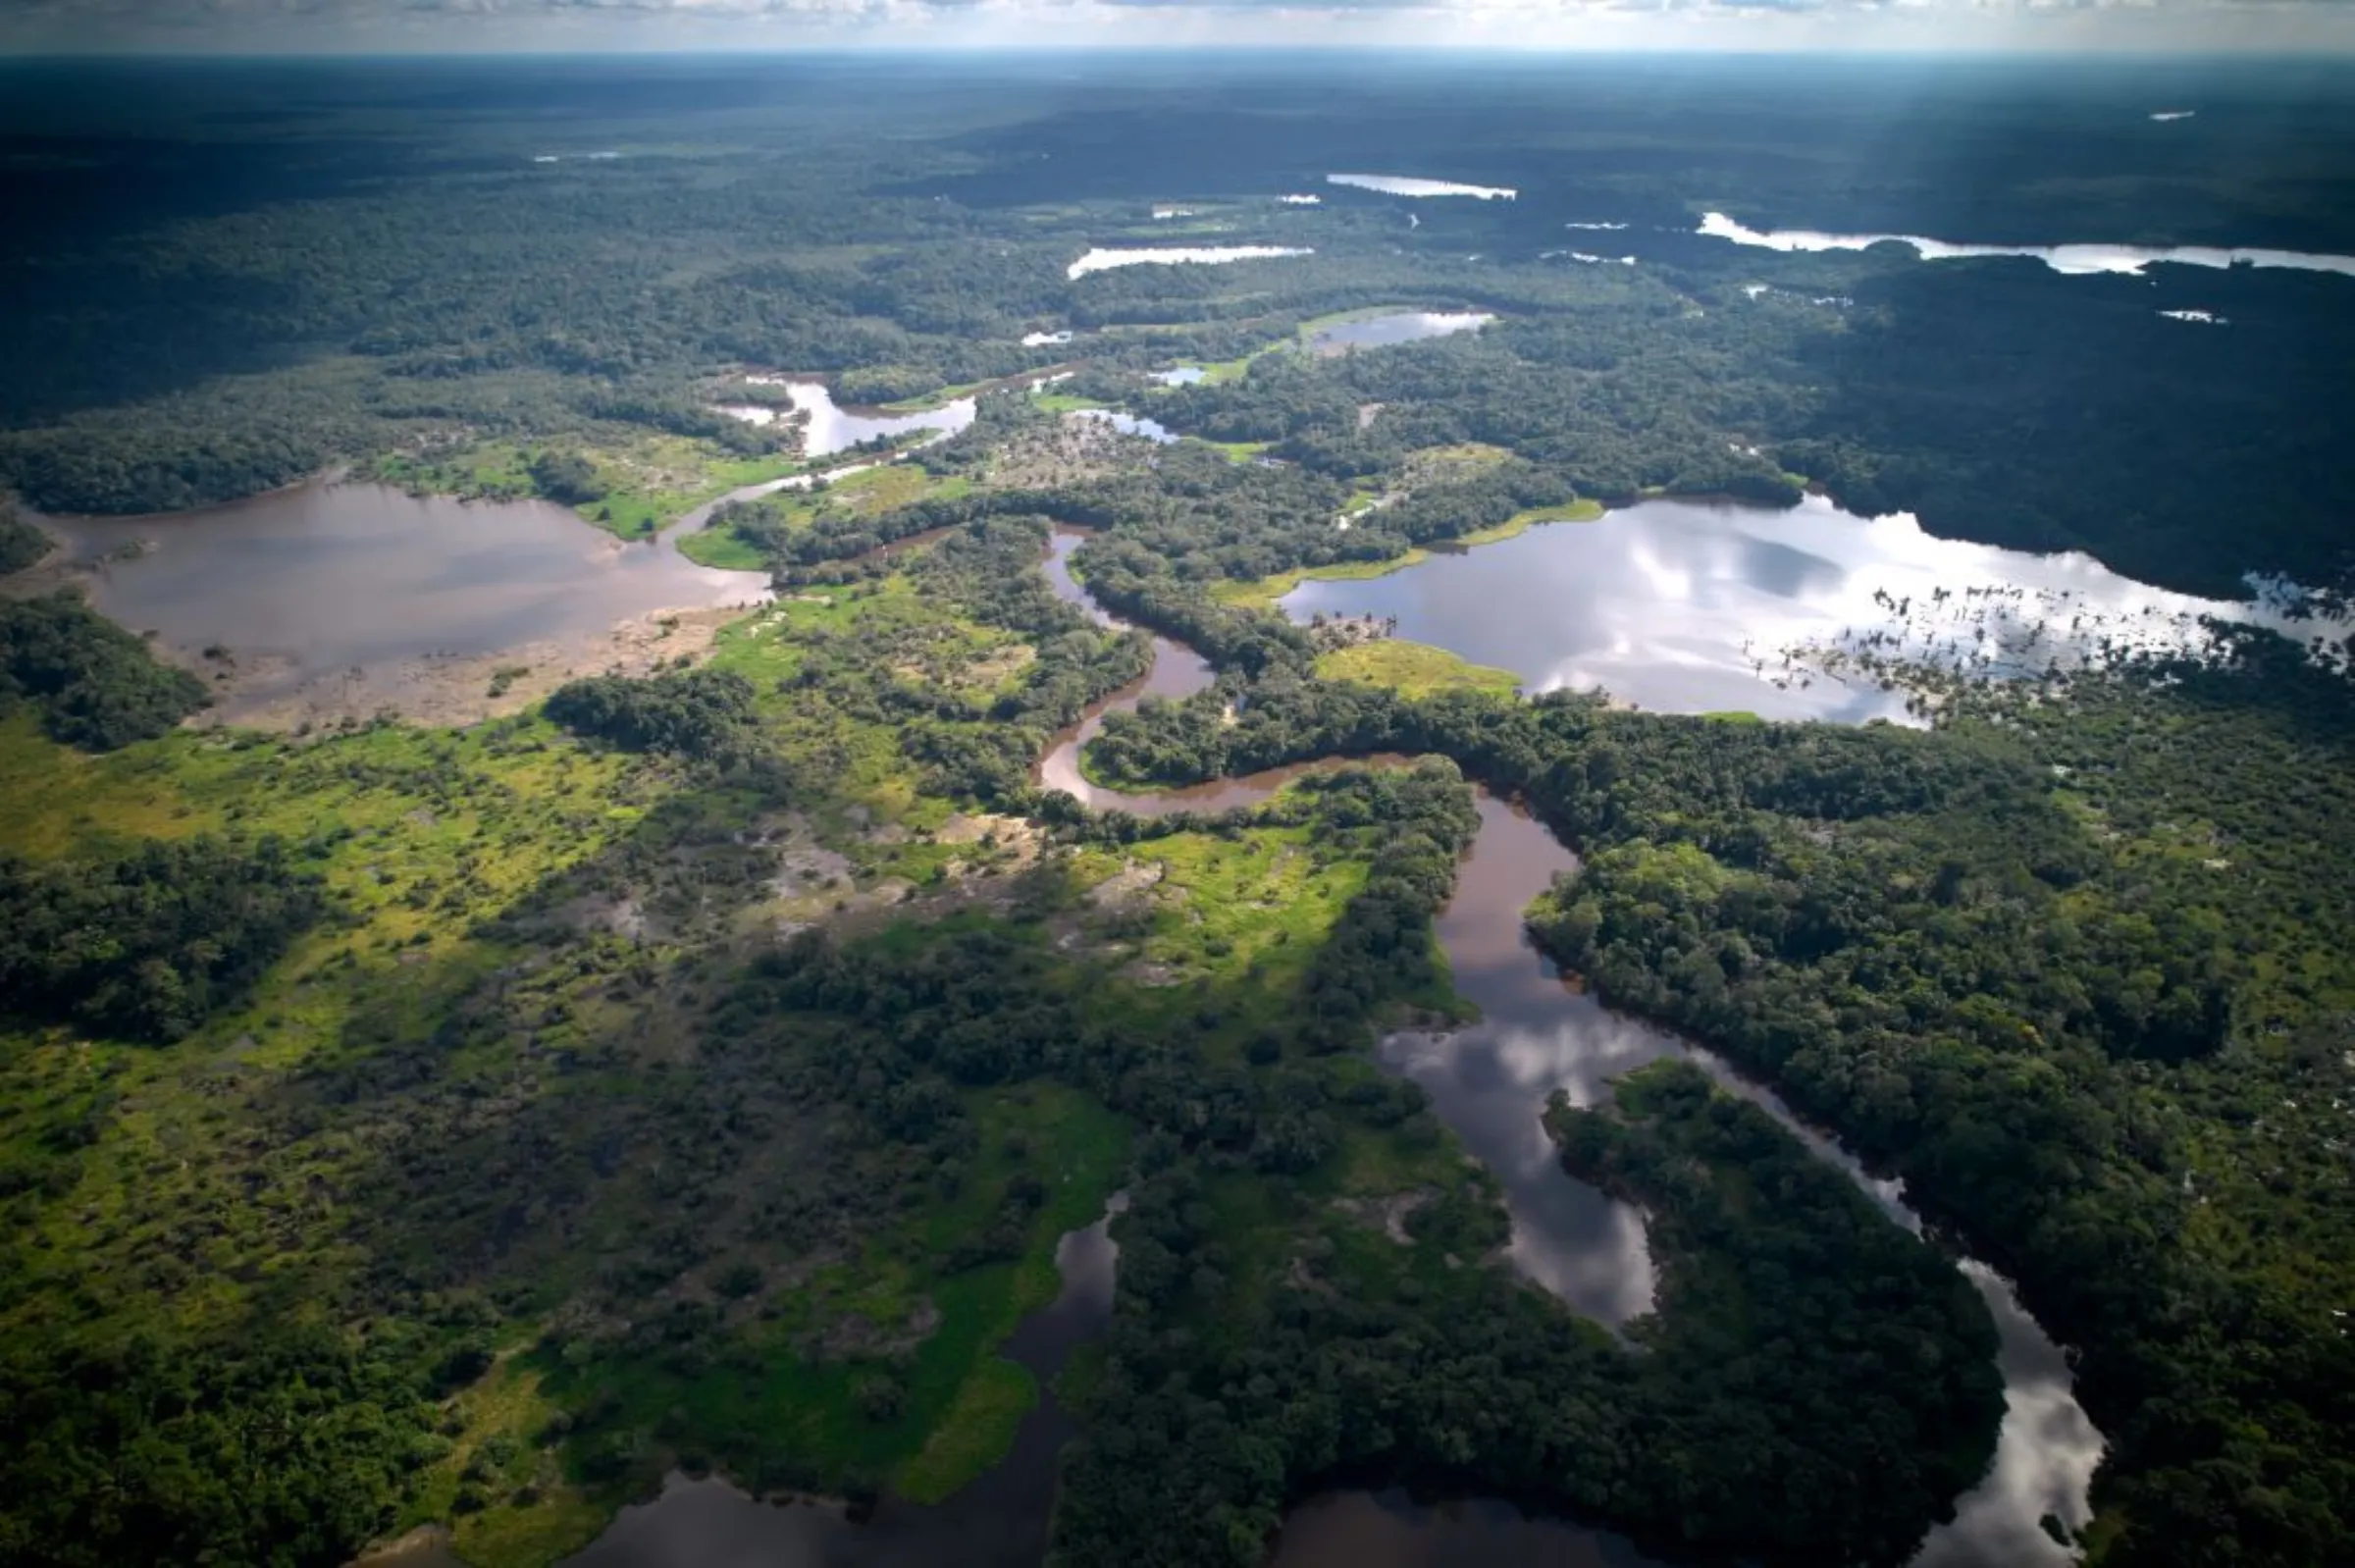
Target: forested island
[[447, 1131]]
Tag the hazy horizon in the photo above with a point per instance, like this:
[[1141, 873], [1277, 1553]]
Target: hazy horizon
[[2166, 28]]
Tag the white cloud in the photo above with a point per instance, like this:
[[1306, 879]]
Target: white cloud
[[286, 25]]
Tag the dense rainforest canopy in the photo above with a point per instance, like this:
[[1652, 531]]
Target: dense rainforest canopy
[[694, 1071]]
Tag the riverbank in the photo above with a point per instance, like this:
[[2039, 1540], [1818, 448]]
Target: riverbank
[[1263, 592]]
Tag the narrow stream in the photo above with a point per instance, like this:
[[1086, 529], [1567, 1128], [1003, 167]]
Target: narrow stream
[[1489, 1081], [1177, 672]]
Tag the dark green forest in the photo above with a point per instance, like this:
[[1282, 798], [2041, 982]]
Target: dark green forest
[[94, 684], [469, 1124], [386, 282]]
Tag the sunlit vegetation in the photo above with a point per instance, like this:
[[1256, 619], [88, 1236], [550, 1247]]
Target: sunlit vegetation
[[1412, 669], [404, 1125]]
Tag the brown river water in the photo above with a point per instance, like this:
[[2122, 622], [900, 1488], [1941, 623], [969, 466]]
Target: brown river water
[[362, 578], [1489, 1083]]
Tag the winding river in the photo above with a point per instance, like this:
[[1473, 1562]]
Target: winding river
[[1490, 1083]]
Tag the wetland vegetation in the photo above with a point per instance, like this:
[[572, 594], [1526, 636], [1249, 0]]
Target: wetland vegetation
[[692, 1066]]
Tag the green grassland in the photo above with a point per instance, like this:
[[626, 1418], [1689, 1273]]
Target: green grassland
[[1413, 669], [557, 918], [649, 479], [867, 493]]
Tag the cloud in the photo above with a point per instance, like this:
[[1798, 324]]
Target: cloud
[[296, 26]]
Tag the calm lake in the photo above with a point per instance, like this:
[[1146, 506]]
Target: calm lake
[[355, 585], [835, 427], [2076, 259], [1397, 327], [1688, 607]]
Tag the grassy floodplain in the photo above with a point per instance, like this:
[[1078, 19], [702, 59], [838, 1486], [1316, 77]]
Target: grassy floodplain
[[1263, 592], [588, 886], [1413, 669], [649, 481]]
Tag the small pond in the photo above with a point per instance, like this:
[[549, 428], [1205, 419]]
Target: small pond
[[836, 427], [1104, 260], [1152, 430], [1397, 327]]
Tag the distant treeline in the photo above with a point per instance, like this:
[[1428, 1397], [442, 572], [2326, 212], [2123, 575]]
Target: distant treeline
[[434, 303]]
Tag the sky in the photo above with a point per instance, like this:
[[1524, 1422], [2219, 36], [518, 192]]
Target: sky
[[299, 26]]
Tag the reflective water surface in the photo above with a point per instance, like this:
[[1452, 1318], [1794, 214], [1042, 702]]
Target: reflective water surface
[[2080, 259], [1102, 260], [1398, 327], [836, 427], [1690, 606], [1490, 1083], [350, 583], [1409, 185], [1177, 672], [1152, 430]]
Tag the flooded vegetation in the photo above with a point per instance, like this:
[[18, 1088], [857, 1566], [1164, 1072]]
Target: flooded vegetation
[[1125, 424], [656, 1106], [2072, 259], [999, 1521], [1687, 606]]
